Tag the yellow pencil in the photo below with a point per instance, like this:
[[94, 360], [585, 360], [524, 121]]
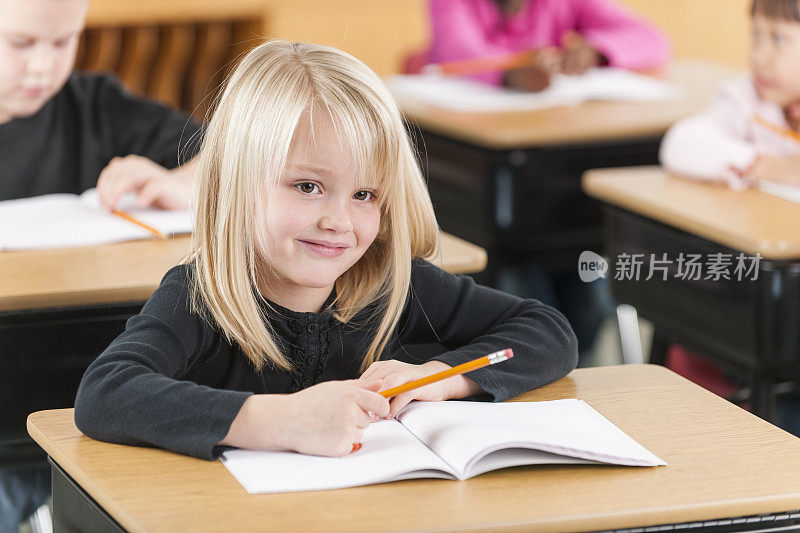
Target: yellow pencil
[[129, 218], [480, 362], [780, 130]]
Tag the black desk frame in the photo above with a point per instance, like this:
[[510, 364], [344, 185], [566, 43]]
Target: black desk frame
[[44, 355], [522, 204], [750, 327], [75, 510]]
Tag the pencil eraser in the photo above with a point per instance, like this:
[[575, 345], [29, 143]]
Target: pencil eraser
[[509, 353]]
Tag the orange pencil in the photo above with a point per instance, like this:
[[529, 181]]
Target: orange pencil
[[786, 132], [129, 218], [465, 67], [480, 362]]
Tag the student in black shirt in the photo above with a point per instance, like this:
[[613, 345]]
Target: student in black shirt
[[59, 130], [60, 133], [306, 283]]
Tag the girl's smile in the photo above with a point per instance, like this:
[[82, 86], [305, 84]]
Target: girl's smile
[[319, 220], [325, 248]]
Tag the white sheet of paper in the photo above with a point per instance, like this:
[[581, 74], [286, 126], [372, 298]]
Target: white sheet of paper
[[465, 95], [782, 190], [389, 452], [463, 432], [67, 220], [469, 437]]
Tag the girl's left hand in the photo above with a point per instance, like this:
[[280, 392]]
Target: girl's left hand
[[394, 373]]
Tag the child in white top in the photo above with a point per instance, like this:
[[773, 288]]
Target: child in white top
[[749, 132]]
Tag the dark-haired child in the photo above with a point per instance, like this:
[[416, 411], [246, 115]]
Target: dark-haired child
[[745, 134]]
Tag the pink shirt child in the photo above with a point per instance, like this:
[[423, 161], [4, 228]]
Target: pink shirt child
[[464, 29]]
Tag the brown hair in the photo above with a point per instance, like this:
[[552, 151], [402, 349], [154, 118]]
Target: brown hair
[[780, 9]]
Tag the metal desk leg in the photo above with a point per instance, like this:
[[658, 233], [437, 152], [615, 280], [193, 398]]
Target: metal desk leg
[[762, 399], [658, 348]]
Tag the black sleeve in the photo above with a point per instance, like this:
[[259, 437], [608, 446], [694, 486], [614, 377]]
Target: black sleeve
[[472, 320], [133, 394], [136, 125]]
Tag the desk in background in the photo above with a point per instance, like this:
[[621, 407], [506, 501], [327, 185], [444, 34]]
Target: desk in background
[[510, 182], [60, 308], [723, 462], [750, 326]]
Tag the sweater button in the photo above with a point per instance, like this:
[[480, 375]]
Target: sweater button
[[312, 360], [312, 327]]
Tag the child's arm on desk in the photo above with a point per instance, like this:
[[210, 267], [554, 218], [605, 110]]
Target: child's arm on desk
[[624, 39], [138, 391], [471, 321], [326, 419], [713, 145]]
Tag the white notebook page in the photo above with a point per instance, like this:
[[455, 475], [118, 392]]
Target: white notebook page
[[783, 190], [468, 96], [67, 220], [389, 452], [463, 432]]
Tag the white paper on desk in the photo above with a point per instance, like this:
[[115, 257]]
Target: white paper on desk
[[389, 453], [68, 220], [783, 190], [465, 95], [476, 437], [455, 440]]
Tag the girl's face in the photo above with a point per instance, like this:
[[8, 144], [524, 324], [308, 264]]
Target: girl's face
[[775, 59], [321, 222]]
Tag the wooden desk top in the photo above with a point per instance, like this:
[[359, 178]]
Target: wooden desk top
[[723, 462], [131, 271], [588, 122], [749, 221]]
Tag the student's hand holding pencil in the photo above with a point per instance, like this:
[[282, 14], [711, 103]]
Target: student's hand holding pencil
[[326, 419], [153, 184], [394, 373], [535, 76]]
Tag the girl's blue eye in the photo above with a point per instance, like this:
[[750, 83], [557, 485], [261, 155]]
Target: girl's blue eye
[[364, 196], [307, 187], [779, 38]]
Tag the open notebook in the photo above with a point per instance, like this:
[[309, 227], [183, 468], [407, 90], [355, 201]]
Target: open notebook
[[452, 440], [783, 190], [465, 95], [67, 220]]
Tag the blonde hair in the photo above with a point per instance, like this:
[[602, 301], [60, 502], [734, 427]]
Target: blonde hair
[[243, 155]]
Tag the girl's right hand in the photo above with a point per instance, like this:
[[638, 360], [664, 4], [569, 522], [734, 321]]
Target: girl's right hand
[[326, 419]]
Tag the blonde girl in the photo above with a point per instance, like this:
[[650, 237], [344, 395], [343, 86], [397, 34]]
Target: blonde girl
[[306, 281]]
